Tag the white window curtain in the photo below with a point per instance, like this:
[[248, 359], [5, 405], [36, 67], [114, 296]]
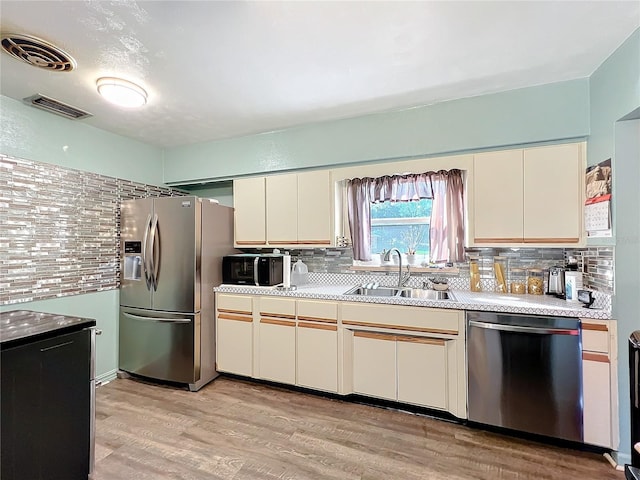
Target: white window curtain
[[447, 217]]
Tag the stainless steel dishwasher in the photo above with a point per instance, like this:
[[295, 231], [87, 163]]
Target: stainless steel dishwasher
[[525, 373]]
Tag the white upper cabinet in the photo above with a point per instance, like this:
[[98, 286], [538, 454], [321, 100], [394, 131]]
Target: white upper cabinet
[[498, 190], [314, 208], [553, 194], [529, 196], [249, 214], [282, 209]]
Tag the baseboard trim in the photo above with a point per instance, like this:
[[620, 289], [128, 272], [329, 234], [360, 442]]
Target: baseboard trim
[[106, 377]]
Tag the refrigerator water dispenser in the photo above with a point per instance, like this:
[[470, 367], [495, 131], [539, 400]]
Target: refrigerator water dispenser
[[132, 261]]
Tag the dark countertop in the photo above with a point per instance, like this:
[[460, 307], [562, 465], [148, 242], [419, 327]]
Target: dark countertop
[[24, 326]]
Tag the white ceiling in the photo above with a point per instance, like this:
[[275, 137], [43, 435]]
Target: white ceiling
[[217, 69]]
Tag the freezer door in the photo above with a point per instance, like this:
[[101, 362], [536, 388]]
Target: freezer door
[[160, 345], [135, 288], [175, 245]]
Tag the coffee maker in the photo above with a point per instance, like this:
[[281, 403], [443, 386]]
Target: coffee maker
[[555, 281]]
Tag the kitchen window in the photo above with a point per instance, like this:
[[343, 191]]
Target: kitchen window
[[403, 225], [384, 209]]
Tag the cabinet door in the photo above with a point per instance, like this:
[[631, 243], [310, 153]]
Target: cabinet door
[[498, 197], [234, 344], [46, 408], [553, 194], [597, 400], [374, 364], [317, 357], [277, 352], [314, 208], [422, 371], [249, 213], [282, 209]]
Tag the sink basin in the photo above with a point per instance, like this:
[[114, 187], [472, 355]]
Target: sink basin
[[426, 294], [374, 292], [401, 292]]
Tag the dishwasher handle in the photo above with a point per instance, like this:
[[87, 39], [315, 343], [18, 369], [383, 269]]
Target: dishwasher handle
[[523, 329]]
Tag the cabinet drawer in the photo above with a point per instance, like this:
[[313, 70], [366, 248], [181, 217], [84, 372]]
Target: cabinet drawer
[[415, 319], [315, 311], [234, 303], [595, 337], [278, 307]]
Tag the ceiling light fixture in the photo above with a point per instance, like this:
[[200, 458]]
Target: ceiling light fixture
[[121, 92]]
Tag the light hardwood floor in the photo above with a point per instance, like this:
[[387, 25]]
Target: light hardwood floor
[[238, 430]]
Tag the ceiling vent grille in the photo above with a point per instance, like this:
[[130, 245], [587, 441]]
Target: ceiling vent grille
[[54, 106], [37, 52]]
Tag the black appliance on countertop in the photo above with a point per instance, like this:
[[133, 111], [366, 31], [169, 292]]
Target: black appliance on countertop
[[633, 471], [47, 388]]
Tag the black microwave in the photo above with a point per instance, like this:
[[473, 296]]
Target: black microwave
[[252, 269]]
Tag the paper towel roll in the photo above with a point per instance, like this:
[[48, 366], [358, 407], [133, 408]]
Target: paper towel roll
[[286, 271], [572, 283]]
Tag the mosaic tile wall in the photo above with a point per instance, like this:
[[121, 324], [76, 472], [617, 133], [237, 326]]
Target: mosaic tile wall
[[59, 229], [596, 263]]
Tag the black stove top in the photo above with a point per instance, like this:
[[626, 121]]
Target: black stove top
[[22, 324]]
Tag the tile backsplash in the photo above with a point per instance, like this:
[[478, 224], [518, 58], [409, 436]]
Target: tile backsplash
[[596, 263], [59, 229]]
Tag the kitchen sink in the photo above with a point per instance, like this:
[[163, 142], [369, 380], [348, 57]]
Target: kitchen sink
[[375, 292], [426, 294], [401, 292]]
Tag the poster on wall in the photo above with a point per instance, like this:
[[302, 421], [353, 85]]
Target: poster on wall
[[597, 209]]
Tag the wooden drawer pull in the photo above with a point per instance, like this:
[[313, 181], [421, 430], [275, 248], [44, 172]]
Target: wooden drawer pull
[[600, 327], [424, 340], [228, 310], [376, 336], [318, 326], [273, 321], [317, 319], [551, 240], [400, 327], [239, 318], [277, 315], [595, 357]]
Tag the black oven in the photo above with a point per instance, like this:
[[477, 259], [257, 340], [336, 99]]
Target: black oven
[[250, 269]]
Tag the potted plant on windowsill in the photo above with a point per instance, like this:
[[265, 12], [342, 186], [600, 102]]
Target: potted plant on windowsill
[[413, 236]]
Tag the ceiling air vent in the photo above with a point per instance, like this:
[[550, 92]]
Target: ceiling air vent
[[37, 52], [54, 106]]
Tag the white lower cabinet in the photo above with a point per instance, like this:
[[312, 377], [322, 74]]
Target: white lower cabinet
[[317, 357], [234, 334], [374, 364], [422, 371], [599, 383], [277, 350]]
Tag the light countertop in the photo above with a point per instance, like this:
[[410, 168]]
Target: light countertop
[[464, 300]]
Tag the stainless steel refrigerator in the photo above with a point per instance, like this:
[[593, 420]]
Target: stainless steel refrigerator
[[172, 249]]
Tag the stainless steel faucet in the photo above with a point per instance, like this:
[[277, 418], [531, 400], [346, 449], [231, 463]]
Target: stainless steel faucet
[[402, 280]]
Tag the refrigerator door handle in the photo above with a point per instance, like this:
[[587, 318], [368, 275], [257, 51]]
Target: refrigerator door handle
[[147, 228], [157, 319], [154, 267], [255, 271]]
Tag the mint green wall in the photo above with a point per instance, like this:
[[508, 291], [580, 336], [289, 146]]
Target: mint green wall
[[33, 134], [103, 307], [223, 192], [614, 93], [535, 114]]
